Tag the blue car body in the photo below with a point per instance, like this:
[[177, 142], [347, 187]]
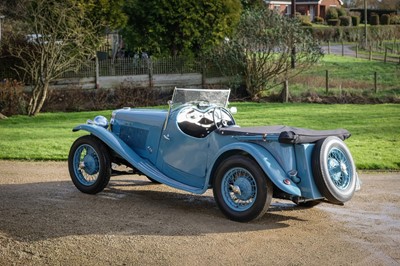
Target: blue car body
[[183, 147]]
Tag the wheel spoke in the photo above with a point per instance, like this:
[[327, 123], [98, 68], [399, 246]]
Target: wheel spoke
[[239, 189], [338, 166], [87, 165]]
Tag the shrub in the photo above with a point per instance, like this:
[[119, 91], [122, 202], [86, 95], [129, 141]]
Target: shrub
[[385, 19], [13, 100], [305, 20], [318, 20], [355, 20], [394, 19], [341, 12], [332, 13], [374, 20], [333, 22], [345, 21]]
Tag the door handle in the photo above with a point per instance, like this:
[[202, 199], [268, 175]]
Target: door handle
[[166, 137]]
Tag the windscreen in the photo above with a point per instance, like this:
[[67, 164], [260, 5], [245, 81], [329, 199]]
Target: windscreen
[[200, 96]]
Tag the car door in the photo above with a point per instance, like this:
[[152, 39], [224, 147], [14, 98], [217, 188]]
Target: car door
[[183, 157]]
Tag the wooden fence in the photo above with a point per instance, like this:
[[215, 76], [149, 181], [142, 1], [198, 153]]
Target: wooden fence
[[140, 72], [381, 51]]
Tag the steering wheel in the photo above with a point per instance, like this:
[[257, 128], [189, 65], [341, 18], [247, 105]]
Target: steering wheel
[[218, 118]]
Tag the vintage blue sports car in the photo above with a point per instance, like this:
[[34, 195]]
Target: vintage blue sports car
[[196, 145]]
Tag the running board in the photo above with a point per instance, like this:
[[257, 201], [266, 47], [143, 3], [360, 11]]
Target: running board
[[150, 170]]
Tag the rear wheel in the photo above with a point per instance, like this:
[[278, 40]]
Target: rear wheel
[[334, 170], [89, 164], [241, 189]]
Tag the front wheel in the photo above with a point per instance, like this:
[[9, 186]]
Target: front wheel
[[334, 170], [241, 189], [89, 164]]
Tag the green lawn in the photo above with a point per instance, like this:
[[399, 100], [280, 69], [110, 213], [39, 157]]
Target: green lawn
[[356, 69], [348, 76], [374, 143]]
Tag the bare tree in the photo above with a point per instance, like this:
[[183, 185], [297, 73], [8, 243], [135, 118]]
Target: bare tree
[[60, 39], [260, 51]]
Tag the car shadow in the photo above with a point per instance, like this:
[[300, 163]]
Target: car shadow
[[37, 211]]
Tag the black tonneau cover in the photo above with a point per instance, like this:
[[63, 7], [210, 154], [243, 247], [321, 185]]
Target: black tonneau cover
[[290, 135]]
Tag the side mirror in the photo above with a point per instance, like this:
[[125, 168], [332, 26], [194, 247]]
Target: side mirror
[[233, 110]]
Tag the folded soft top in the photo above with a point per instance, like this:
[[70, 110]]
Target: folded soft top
[[291, 135]]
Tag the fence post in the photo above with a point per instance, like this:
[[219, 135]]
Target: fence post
[[375, 82], [286, 91], [150, 71], [384, 60], [342, 48], [97, 74], [329, 47], [326, 81], [357, 51], [203, 73], [370, 52]]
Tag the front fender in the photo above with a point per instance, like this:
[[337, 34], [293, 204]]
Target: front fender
[[112, 141], [144, 166], [266, 161]]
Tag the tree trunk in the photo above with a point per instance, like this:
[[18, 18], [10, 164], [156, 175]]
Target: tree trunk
[[39, 95]]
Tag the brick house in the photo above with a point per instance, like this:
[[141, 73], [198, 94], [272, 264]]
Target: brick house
[[311, 8]]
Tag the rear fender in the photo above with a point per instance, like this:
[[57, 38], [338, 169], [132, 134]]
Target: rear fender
[[265, 160]]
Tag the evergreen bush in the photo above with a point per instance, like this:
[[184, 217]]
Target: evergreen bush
[[318, 20], [345, 21], [394, 19], [305, 21], [332, 13], [333, 22], [341, 12]]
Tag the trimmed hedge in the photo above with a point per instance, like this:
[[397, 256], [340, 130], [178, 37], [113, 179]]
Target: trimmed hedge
[[355, 34], [333, 22], [341, 12], [318, 20], [332, 13], [345, 21], [305, 20], [395, 19]]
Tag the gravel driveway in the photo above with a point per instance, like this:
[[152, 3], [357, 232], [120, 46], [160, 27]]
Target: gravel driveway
[[45, 220]]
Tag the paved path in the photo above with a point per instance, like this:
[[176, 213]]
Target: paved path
[[45, 220]]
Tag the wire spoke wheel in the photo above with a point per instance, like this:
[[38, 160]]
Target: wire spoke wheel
[[339, 168], [334, 170], [89, 164], [241, 189]]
